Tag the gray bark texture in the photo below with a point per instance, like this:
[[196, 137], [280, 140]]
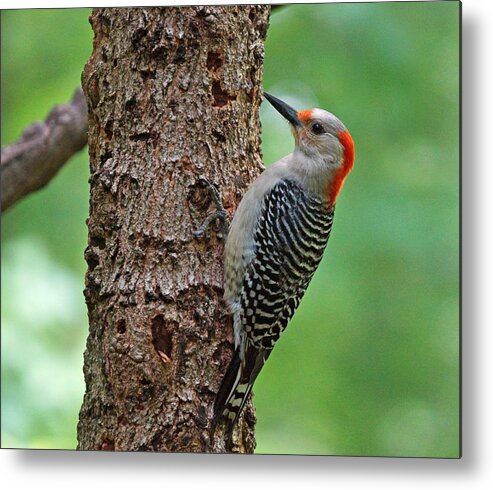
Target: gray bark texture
[[173, 96]]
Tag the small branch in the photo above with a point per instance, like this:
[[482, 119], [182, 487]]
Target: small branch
[[34, 159]]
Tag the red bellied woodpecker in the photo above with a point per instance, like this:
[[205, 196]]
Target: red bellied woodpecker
[[275, 243]]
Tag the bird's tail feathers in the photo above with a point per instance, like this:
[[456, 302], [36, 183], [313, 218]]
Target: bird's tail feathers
[[236, 387], [224, 406]]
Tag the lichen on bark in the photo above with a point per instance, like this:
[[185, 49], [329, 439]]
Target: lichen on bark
[[173, 95]]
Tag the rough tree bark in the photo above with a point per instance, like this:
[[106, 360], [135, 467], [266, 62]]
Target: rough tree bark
[[173, 95]]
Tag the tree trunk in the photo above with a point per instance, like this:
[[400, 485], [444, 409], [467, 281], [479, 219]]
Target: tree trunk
[[173, 95]]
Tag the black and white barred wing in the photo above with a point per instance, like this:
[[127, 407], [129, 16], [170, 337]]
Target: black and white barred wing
[[290, 239]]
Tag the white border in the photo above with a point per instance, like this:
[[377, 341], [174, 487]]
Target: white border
[[61, 469]]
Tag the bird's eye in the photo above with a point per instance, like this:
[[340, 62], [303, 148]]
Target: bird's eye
[[317, 128]]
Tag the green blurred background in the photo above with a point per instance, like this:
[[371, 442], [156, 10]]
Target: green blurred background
[[370, 363]]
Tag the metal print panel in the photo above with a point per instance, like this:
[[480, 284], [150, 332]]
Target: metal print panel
[[237, 231]]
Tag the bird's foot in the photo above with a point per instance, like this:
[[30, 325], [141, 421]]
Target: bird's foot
[[220, 213]]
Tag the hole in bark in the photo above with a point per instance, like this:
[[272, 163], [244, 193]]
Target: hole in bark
[[155, 36], [222, 354], [221, 97], [159, 52], [141, 136], [180, 54], [93, 262], [121, 326], [105, 21], [150, 296], [253, 75], [92, 287], [92, 259], [108, 129], [162, 337], [107, 445], [106, 156], [98, 241], [252, 15], [156, 440], [138, 35], [147, 75], [130, 104], [214, 61], [219, 136]]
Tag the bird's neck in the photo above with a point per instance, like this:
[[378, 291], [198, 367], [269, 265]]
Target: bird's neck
[[324, 175], [314, 173]]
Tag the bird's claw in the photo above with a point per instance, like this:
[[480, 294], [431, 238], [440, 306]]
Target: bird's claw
[[220, 212]]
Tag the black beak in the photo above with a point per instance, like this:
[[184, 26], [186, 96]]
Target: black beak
[[284, 109]]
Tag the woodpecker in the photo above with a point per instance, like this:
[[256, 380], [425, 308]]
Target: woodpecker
[[275, 243]]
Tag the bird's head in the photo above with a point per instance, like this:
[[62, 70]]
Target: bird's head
[[322, 137]]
